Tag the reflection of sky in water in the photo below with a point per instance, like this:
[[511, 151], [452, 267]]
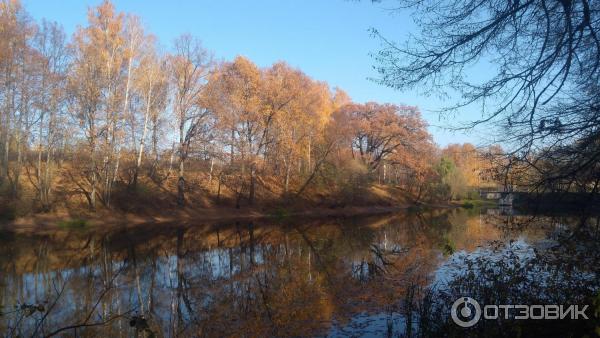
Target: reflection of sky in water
[[457, 264], [371, 325], [514, 256]]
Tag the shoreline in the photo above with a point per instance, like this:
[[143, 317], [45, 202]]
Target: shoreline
[[89, 220]]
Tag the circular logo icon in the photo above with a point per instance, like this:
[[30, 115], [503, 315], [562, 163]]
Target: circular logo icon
[[463, 309]]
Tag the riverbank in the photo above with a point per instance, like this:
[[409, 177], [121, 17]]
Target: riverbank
[[186, 216], [135, 208]]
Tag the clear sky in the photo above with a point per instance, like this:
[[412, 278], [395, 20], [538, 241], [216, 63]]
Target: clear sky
[[327, 39]]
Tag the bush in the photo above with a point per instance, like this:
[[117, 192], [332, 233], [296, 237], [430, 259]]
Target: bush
[[468, 205], [280, 213], [73, 223], [448, 248], [473, 194]]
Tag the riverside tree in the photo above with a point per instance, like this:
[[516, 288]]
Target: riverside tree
[[540, 88]]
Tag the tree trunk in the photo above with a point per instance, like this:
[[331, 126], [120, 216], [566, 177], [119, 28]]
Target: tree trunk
[[116, 173], [210, 173], [252, 185], [48, 180], [308, 160], [93, 194], [39, 164], [138, 163], [182, 155], [154, 147], [316, 168], [6, 154], [93, 165], [219, 190], [232, 142], [171, 161], [17, 169], [181, 184], [287, 176]]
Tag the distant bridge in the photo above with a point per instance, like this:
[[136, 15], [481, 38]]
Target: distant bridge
[[503, 195]]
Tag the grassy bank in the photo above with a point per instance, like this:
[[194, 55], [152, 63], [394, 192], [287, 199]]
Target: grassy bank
[[475, 203]]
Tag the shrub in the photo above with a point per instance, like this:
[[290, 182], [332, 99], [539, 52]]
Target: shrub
[[468, 205], [73, 223]]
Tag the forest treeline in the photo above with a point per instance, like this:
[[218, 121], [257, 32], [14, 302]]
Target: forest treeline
[[106, 117]]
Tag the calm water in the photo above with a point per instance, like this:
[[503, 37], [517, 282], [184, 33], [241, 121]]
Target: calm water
[[376, 276]]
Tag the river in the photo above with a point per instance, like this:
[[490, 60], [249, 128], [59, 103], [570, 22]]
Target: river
[[381, 276]]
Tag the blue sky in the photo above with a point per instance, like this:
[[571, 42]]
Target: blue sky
[[327, 39]]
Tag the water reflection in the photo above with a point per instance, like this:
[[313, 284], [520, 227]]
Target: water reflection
[[336, 277]]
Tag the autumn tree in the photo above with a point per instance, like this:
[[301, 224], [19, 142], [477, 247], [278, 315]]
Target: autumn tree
[[269, 117], [296, 109], [19, 67], [190, 66], [50, 42], [133, 40], [468, 161], [333, 135], [236, 102], [152, 87], [96, 86], [381, 131]]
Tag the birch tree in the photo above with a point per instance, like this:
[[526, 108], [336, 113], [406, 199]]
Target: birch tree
[[150, 84], [50, 42], [190, 66], [94, 83], [16, 31]]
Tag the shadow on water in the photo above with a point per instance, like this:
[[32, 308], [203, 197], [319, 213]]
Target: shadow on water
[[394, 275]]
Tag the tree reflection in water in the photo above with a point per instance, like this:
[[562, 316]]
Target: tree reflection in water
[[383, 276]]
